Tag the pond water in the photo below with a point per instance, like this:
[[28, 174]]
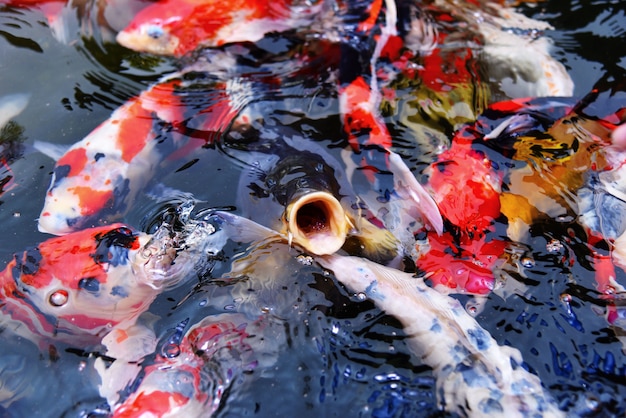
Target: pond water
[[339, 355]]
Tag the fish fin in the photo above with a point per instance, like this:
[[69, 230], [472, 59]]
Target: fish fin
[[238, 228], [54, 151], [127, 346], [409, 189]]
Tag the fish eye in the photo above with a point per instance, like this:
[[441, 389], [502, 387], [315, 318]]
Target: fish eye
[[154, 31], [58, 298]]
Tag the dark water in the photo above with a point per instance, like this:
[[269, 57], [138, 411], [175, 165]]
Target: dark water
[[343, 357]]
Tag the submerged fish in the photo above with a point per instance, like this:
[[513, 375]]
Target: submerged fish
[[210, 362], [558, 161], [467, 191]]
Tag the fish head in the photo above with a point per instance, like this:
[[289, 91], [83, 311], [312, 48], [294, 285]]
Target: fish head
[[82, 283], [150, 34]]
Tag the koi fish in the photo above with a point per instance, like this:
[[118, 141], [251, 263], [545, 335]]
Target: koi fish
[[562, 162], [68, 19], [307, 196], [475, 375], [175, 27], [532, 73], [211, 360], [77, 288], [99, 176]]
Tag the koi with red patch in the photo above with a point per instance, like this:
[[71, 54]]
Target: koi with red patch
[[101, 175], [467, 191], [74, 289], [177, 27], [193, 377]]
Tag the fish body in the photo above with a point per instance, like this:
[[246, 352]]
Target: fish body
[[102, 171], [475, 376], [77, 288], [192, 378], [177, 27], [466, 189], [101, 175]]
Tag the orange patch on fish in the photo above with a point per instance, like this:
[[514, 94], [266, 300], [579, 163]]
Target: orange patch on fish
[[91, 201], [155, 403]]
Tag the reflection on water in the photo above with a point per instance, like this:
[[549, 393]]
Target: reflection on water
[[340, 355]]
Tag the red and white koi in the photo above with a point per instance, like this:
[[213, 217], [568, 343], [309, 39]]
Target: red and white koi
[[210, 361], [74, 289], [102, 174], [78, 288], [177, 27]]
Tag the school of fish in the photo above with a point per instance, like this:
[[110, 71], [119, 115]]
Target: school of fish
[[520, 160]]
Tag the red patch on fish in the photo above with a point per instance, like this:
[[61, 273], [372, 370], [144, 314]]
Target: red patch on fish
[[360, 117], [463, 184], [156, 403], [464, 268], [75, 159], [188, 24], [91, 201]]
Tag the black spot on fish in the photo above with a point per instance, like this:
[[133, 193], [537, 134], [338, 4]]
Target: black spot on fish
[[27, 263], [71, 222], [119, 291], [59, 173], [98, 156], [112, 247], [90, 284]]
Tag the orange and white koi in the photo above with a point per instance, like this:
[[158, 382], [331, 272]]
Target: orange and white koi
[[177, 27], [78, 288], [99, 176]]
